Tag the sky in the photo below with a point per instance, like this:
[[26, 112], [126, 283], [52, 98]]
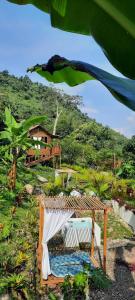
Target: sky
[[27, 38]]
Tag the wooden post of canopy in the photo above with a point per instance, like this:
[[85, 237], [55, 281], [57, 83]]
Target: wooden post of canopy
[[40, 248], [105, 239], [93, 233]]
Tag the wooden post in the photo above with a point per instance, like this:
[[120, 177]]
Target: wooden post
[[105, 239], [40, 248], [93, 233]]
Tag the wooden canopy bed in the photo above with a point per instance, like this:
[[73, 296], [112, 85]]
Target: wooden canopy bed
[[75, 204]]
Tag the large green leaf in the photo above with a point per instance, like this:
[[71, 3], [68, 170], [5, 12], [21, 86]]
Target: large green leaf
[[41, 4], [32, 121], [5, 135], [111, 23], [10, 120], [59, 69]]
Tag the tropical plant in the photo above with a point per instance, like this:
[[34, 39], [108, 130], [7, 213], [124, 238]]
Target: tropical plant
[[15, 141], [93, 17], [127, 170], [76, 287], [79, 286], [59, 69], [129, 150], [96, 16]]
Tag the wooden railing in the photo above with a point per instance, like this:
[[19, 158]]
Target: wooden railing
[[35, 156]]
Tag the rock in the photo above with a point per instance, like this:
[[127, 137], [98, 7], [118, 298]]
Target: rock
[[61, 194], [5, 297], [75, 193], [42, 179], [108, 203], [91, 193], [38, 191], [29, 189]]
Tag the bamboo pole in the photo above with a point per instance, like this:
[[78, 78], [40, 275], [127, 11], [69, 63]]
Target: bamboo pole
[[105, 239], [93, 233]]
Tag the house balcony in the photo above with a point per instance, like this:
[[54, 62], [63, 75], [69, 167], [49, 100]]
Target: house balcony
[[35, 156]]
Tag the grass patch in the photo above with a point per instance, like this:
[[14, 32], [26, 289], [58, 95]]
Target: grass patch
[[116, 229]]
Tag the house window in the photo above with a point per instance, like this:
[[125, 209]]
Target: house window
[[44, 139], [35, 138]]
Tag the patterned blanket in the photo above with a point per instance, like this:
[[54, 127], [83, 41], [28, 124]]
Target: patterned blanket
[[69, 264]]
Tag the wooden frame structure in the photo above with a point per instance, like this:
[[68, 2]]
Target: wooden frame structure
[[84, 203]]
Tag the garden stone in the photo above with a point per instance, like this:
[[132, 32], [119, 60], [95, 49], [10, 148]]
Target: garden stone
[[91, 193], [29, 189], [108, 203], [75, 193], [42, 179], [5, 297], [38, 191], [61, 194]]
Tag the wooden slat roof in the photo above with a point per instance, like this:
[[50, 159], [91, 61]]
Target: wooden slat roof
[[72, 203]]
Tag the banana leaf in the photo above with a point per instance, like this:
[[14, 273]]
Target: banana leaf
[[110, 22], [59, 69]]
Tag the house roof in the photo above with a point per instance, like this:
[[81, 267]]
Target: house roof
[[72, 203], [45, 130]]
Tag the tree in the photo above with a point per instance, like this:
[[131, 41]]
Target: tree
[[58, 113], [15, 140], [129, 150]]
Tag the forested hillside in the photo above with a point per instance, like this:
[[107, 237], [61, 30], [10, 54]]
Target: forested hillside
[[84, 141]]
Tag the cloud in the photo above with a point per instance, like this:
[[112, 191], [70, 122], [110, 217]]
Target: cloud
[[121, 130], [131, 119]]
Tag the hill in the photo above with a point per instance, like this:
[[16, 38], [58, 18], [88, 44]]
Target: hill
[[84, 141]]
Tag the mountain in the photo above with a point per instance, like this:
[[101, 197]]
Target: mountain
[[84, 141]]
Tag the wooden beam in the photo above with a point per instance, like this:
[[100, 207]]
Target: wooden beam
[[93, 233], [52, 281], [40, 248], [94, 262], [105, 239]]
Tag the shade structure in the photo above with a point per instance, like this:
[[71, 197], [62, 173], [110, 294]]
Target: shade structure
[[65, 203], [72, 203]]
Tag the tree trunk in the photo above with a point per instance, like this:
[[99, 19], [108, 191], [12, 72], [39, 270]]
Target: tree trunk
[[58, 113], [12, 176]]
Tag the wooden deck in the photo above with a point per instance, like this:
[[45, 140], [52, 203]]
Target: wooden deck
[[35, 156]]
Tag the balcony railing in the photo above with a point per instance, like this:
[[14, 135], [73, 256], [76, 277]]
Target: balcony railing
[[43, 154]]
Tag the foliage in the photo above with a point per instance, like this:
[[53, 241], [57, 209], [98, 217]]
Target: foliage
[[18, 242], [27, 99], [94, 17], [75, 288], [15, 141], [99, 279], [79, 286], [127, 170], [105, 184], [59, 69], [93, 145], [84, 141], [129, 150]]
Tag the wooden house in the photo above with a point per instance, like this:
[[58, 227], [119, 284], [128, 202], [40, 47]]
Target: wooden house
[[40, 154]]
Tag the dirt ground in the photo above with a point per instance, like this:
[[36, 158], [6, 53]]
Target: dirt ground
[[120, 257]]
